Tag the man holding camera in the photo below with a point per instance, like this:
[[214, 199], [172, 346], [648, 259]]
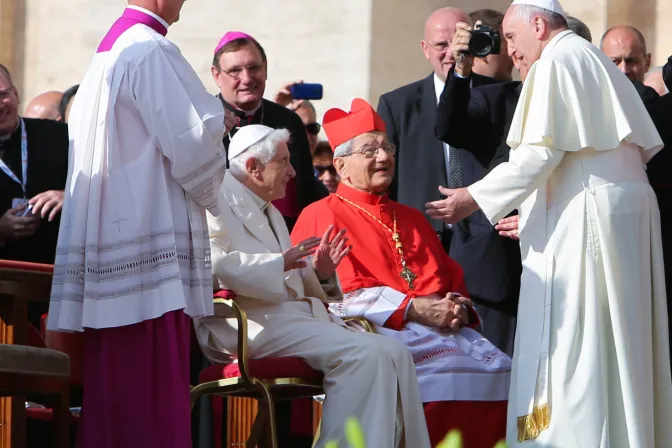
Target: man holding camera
[[409, 112]]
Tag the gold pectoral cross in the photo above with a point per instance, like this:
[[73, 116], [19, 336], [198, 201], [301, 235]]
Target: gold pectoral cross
[[409, 276]]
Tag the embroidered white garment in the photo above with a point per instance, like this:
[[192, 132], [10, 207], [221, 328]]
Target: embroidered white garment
[[591, 361], [460, 366], [146, 160]]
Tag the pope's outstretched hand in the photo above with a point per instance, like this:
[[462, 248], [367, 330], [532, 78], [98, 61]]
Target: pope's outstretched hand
[[458, 205]]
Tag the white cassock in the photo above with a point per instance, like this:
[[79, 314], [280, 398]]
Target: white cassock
[[591, 360], [367, 376], [145, 161]]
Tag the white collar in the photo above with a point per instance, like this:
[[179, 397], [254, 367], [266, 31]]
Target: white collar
[[149, 13], [556, 39], [257, 200], [438, 87]]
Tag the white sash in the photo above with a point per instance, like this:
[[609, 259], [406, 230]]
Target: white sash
[[534, 314]]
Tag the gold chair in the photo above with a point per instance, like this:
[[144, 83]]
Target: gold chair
[[267, 380]]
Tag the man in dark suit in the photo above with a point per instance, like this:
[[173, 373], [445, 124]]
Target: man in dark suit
[[409, 113], [239, 69], [33, 171]]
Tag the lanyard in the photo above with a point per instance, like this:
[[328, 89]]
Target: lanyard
[[24, 161]]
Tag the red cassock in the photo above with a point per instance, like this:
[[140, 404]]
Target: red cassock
[[374, 262]]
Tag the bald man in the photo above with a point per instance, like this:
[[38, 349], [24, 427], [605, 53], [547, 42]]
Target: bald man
[[45, 106], [409, 114], [626, 46]]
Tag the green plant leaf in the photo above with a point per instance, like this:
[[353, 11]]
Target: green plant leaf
[[331, 444], [354, 433], [501, 444], [453, 440]]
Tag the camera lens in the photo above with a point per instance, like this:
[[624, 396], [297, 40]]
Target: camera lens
[[480, 45]]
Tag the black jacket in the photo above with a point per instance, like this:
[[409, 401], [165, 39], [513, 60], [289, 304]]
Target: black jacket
[[47, 170], [409, 113]]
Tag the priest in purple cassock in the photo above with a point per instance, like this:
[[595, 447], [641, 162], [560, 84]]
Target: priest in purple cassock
[[133, 256]]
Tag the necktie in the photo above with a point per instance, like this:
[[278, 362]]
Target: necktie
[[454, 168]]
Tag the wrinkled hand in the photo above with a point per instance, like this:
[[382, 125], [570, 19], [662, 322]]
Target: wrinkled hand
[[448, 313], [13, 228], [47, 203], [459, 47], [330, 253], [458, 205], [284, 96], [230, 121], [294, 257], [508, 227]]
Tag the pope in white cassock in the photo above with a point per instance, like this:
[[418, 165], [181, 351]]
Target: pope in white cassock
[[591, 361], [133, 260]]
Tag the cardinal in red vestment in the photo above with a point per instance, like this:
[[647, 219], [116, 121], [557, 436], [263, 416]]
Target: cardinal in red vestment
[[399, 277]]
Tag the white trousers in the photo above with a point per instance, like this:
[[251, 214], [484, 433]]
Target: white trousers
[[366, 376]]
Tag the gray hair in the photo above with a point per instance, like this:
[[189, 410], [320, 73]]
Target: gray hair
[[345, 148], [579, 28], [264, 151], [528, 13]]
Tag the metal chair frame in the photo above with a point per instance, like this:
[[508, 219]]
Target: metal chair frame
[[266, 391]]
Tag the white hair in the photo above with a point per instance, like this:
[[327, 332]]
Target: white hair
[[264, 151], [529, 12], [344, 148]]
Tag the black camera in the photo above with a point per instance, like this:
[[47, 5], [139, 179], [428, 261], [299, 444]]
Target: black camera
[[485, 41]]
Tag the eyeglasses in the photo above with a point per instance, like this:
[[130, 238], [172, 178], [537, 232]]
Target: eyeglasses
[[321, 169], [313, 128], [371, 151], [236, 72], [441, 47]]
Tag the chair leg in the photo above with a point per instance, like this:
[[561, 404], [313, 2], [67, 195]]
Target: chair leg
[[61, 421], [257, 432], [269, 403]]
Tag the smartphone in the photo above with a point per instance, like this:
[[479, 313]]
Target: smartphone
[[25, 211], [306, 91]]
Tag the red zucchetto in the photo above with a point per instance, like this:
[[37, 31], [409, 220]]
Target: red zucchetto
[[341, 126]]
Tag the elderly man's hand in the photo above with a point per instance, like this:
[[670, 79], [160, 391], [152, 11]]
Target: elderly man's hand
[[284, 96], [459, 47], [294, 257], [47, 203], [330, 253], [508, 227], [447, 313], [458, 205]]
